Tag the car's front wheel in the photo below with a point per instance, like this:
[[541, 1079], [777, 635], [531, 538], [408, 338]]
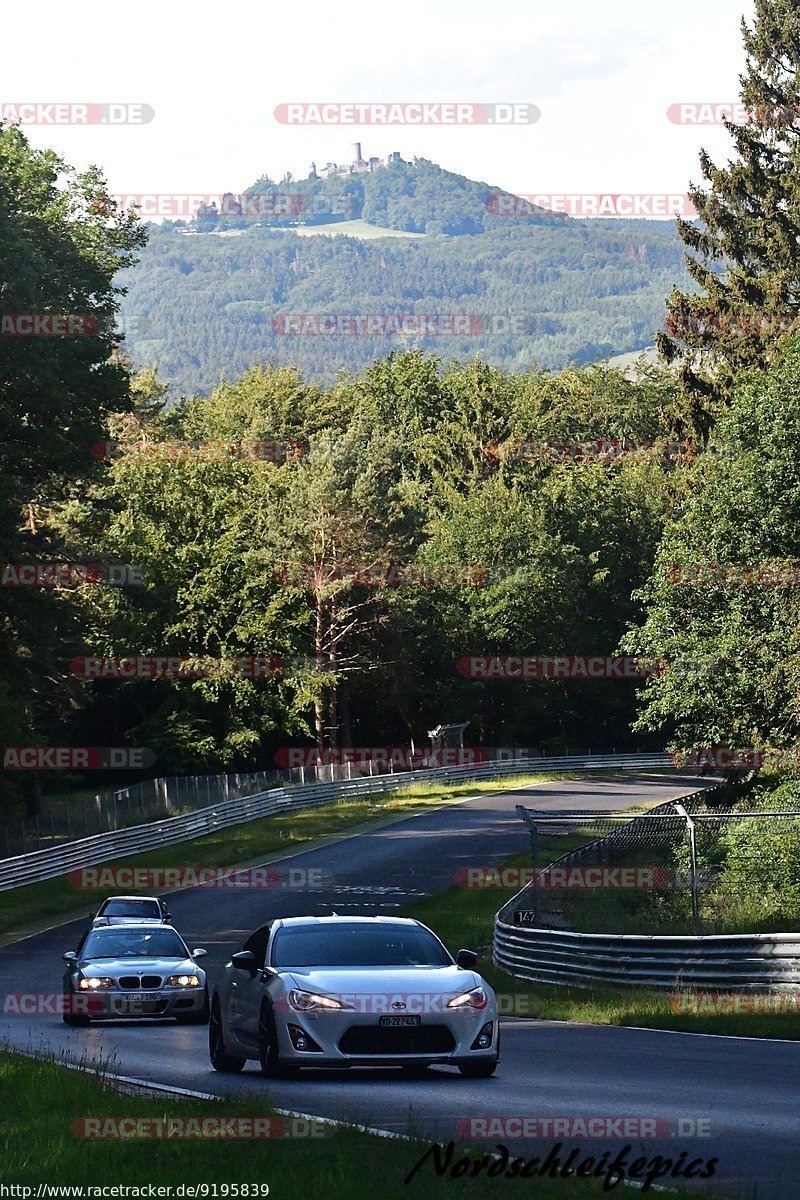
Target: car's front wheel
[[220, 1059], [70, 1018], [271, 1064]]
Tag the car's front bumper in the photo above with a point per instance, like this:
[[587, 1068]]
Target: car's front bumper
[[355, 1039], [112, 1004]]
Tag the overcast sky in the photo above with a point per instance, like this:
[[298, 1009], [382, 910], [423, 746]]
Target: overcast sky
[[603, 76]]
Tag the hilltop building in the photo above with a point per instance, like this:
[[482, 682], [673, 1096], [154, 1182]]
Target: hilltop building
[[359, 165]]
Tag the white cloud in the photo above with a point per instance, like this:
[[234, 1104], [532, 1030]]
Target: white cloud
[[602, 75]]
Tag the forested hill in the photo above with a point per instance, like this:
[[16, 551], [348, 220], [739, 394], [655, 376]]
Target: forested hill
[[540, 289]]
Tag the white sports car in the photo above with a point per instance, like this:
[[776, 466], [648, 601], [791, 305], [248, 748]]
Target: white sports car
[[352, 991], [121, 910]]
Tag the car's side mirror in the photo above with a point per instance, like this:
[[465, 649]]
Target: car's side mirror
[[167, 916], [199, 953], [70, 956], [466, 959], [245, 960]]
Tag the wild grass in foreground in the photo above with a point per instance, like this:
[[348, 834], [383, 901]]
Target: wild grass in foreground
[[44, 1104]]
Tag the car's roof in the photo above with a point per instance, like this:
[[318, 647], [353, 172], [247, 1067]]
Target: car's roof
[[132, 926], [108, 899], [343, 920]]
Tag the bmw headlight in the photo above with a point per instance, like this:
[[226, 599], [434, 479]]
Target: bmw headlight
[[92, 983], [474, 1001], [312, 1002], [183, 981]]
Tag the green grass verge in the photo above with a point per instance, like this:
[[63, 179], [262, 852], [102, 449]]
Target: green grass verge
[[464, 917], [41, 1101], [28, 909]]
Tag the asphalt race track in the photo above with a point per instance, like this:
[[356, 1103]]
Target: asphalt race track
[[746, 1091]]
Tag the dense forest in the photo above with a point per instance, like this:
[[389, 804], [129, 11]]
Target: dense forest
[[269, 514], [543, 290]]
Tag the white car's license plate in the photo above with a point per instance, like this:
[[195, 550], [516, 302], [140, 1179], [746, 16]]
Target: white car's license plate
[[143, 997], [399, 1022]]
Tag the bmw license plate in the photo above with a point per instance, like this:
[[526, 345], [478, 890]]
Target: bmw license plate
[[399, 1022], [140, 997]]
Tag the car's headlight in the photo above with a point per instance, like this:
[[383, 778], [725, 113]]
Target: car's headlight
[[312, 1002], [92, 983], [183, 981], [475, 1000]]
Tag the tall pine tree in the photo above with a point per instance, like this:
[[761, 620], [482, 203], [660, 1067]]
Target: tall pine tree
[[745, 248]]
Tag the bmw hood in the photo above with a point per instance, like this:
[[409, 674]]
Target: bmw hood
[[139, 966]]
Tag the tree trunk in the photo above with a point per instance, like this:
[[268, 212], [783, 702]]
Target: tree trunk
[[344, 710], [333, 706], [32, 791], [319, 717]]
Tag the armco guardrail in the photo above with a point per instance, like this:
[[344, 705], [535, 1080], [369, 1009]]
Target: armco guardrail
[[105, 847], [740, 962], [706, 962]]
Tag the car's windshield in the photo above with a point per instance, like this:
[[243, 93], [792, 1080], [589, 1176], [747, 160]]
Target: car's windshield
[[134, 943], [356, 945], [131, 908]]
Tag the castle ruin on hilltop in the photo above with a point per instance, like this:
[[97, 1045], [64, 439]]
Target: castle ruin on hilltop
[[359, 165]]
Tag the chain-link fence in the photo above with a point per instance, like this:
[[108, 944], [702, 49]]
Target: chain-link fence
[[704, 865], [82, 815]]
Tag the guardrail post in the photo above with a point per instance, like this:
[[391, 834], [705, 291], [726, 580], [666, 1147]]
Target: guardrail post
[[690, 825], [532, 830]]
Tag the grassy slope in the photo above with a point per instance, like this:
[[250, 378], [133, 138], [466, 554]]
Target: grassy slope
[[41, 1100]]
